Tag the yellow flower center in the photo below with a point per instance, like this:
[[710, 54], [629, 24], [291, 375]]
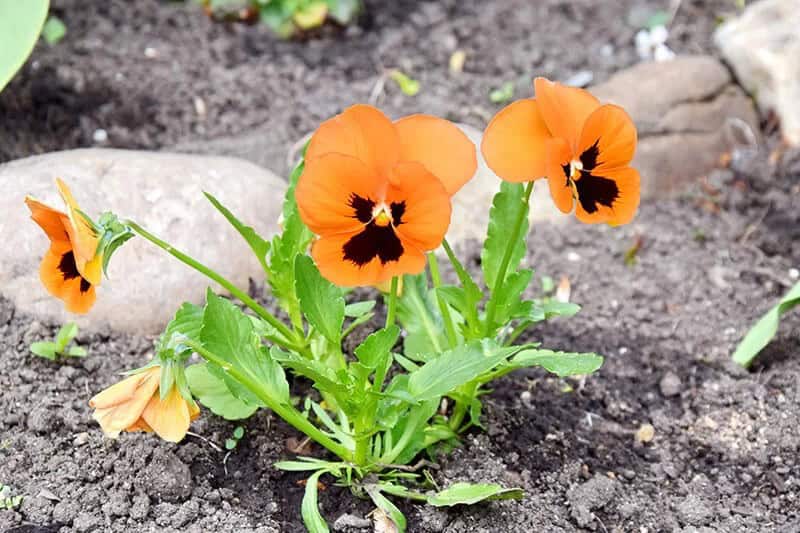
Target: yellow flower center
[[381, 216]]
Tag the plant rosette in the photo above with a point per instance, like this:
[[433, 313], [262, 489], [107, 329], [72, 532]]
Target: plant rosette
[[369, 206]]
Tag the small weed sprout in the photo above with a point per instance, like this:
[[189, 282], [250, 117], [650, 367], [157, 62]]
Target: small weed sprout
[[62, 346]]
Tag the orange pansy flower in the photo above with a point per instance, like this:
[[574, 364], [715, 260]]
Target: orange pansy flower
[[135, 404], [582, 147], [71, 268], [377, 193]]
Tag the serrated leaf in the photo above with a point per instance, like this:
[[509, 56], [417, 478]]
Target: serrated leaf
[[456, 367], [20, 25], [258, 244], [228, 333], [509, 297], [44, 349], [186, 324], [310, 507], [559, 363], [765, 329], [321, 301], [508, 205], [469, 494], [214, 394], [377, 346]]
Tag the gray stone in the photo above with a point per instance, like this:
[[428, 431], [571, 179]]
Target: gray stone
[[686, 112], [670, 384], [762, 46], [694, 510], [163, 193]]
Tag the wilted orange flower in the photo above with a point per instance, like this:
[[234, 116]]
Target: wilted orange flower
[[582, 147], [377, 193], [135, 404], [71, 268]]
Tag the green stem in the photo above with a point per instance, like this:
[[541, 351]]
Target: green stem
[[392, 309], [519, 330], [470, 315], [461, 407], [230, 287], [287, 412], [449, 327], [491, 308]]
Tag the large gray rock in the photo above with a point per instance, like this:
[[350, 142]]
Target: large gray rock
[[687, 112], [163, 193], [763, 48]]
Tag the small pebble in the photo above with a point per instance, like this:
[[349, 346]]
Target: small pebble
[[100, 135], [80, 439], [150, 52], [645, 433], [794, 273], [670, 384]]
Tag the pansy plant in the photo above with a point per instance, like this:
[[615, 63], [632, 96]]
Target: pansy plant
[[369, 206]]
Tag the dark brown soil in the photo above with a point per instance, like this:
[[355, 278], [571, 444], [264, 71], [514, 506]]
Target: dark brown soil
[[725, 452], [135, 69]]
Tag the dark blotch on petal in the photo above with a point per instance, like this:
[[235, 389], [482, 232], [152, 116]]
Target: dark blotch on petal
[[398, 210], [363, 208], [67, 266], [567, 172], [593, 190], [85, 285], [589, 156], [374, 241]]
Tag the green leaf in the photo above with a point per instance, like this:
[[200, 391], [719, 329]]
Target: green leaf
[[391, 510], [509, 297], [77, 351], [186, 324], [20, 24], [307, 464], [559, 363], [311, 15], [417, 312], [44, 349], [54, 30], [536, 311], [765, 329], [453, 368], [358, 309], [230, 444], [238, 433], [469, 494], [502, 94], [65, 335], [258, 244], [228, 333], [322, 302], [659, 18], [377, 346], [310, 508], [344, 11], [507, 206], [213, 393], [409, 86]]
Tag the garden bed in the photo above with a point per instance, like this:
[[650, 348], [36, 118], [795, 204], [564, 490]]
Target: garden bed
[[724, 454]]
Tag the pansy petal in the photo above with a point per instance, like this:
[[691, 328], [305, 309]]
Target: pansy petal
[[564, 109], [52, 221], [328, 253], [425, 205], [595, 204], [83, 236], [558, 156], [79, 296], [115, 417], [411, 262], [514, 142], [608, 139], [440, 146], [122, 391], [326, 191], [169, 418], [361, 131]]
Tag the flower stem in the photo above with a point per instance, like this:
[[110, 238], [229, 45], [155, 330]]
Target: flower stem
[[491, 308], [433, 264], [285, 411], [288, 335], [392, 308]]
